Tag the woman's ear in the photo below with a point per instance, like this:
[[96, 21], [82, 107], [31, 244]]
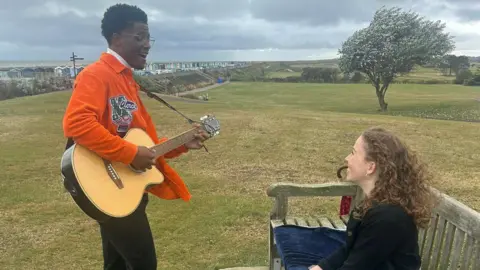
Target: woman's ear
[[371, 168]]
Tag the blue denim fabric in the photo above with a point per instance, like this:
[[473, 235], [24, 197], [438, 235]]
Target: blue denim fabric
[[298, 268], [299, 247]]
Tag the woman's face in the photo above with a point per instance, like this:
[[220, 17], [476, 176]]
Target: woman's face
[[359, 169]]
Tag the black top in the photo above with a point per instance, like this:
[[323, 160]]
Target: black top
[[385, 239]]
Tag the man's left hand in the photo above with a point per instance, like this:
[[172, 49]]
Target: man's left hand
[[200, 136]]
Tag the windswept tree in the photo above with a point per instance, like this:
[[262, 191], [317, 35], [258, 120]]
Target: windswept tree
[[393, 43]]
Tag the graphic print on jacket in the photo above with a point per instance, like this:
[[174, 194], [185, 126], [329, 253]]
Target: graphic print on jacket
[[122, 112]]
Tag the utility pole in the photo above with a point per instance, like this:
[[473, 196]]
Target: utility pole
[[73, 58]]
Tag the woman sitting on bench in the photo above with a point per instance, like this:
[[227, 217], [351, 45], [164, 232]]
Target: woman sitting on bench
[[382, 230]]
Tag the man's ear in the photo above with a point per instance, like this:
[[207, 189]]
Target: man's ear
[[115, 39]]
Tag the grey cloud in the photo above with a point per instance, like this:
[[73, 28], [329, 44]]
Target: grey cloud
[[464, 42], [202, 38], [206, 27], [60, 31], [314, 12], [210, 9], [220, 36], [70, 28], [311, 12], [461, 2], [469, 14], [466, 10]]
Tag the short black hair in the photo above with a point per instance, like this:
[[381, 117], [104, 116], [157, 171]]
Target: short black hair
[[119, 17]]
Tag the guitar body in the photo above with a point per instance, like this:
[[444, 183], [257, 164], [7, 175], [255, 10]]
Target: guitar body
[[90, 180], [104, 189]]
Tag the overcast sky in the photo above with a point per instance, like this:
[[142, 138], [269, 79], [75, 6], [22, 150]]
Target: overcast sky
[[217, 29]]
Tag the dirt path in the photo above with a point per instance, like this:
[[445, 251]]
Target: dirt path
[[202, 89], [189, 100]]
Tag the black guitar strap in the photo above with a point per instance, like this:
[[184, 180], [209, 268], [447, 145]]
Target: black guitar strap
[[152, 95], [157, 98], [70, 142]]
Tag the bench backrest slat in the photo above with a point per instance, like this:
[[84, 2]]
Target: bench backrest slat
[[452, 239], [468, 258]]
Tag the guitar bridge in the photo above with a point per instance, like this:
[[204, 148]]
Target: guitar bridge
[[113, 174]]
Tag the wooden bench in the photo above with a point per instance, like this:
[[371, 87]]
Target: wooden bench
[[452, 240]]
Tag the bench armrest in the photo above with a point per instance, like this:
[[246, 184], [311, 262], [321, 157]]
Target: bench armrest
[[282, 191], [302, 190]]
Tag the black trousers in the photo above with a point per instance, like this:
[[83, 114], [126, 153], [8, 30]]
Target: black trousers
[[128, 243]]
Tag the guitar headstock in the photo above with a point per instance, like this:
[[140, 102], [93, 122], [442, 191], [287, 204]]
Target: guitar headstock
[[211, 125]]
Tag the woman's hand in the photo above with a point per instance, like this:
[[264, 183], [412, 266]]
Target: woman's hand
[[314, 267]]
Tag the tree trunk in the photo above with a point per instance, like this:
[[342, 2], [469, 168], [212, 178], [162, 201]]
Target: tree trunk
[[381, 96], [382, 103]]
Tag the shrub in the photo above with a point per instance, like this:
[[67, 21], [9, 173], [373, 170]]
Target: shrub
[[29, 87], [463, 75], [474, 81], [320, 74]]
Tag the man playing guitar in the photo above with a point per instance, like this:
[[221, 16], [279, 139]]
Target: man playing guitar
[[104, 105]]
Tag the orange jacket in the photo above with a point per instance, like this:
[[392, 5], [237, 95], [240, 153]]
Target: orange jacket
[[104, 104]]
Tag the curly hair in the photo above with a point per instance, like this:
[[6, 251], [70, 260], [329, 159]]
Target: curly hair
[[402, 179], [120, 17]]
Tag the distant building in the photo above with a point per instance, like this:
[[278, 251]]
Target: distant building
[[62, 71], [28, 73], [43, 72], [4, 73], [14, 73], [143, 72], [158, 68]]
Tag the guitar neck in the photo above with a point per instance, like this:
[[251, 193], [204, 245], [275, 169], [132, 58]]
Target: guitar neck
[[177, 141]]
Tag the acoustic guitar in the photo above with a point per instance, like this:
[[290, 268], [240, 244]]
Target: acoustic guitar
[[104, 189]]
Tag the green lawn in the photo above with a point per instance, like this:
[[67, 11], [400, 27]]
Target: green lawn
[[418, 74], [270, 133], [432, 101], [423, 74]]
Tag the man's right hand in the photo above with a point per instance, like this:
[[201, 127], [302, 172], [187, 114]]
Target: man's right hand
[[144, 159]]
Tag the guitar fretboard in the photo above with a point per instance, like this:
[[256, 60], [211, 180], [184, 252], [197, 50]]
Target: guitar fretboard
[[173, 143]]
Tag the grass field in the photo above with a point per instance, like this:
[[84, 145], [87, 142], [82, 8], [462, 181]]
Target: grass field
[[418, 74], [270, 133], [422, 73]]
